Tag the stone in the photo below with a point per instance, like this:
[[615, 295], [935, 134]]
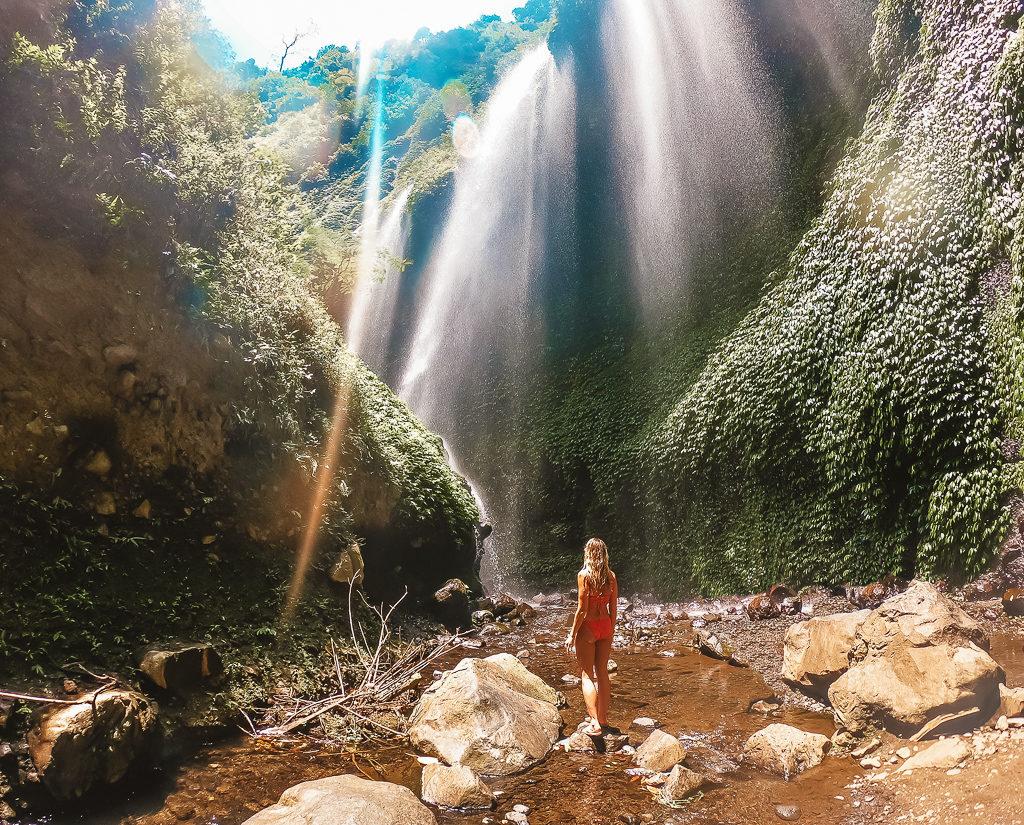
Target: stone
[[1013, 602], [917, 657], [345, 800], [1011, 701], [99, 463], [77, 747], [487, 714], [681, 783], [181, 667], [504, 604], [451, 603], [816, 652], [785, 750], [349, 568], [716, 645], [944, 754], [919, 616], [482, 616], [120, 355], [645, 722], [876, 593], [105, 504], [913, 685], [790, 813], [904, 753], [659, 752], [143, 510], [455, 787]]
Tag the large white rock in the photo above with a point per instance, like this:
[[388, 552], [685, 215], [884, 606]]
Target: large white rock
[[817, 652], [947, 753], [785, 750], [491, 715], [659, 752], [910, 686], [79, 746], [917, 657], [345, 800], [454, 787]]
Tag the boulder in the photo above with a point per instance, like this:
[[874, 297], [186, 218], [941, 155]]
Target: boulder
[[349, 568], [180, 667], [659, 752], [919, 616], [917, 657], [911, 686], [345, 800], [1011, 702], [582, 742], [817, 652], [681, 783], [455, 787], [944, 754], [451, 603], [491, 715], [785, 750], [77, 747], [504, 604]]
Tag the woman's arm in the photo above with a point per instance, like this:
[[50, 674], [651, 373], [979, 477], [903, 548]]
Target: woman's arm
[[613, 602], [582, 604]]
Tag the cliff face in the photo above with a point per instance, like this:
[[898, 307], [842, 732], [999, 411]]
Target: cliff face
[[864, 418]]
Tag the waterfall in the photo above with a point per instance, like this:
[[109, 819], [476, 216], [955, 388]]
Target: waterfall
[[376, 295], [477, 333], [696, 133]]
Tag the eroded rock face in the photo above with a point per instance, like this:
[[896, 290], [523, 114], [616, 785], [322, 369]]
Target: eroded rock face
[[345, 800], [659, 752], [77, 747], [455, 787], [785, 750], [916, 658], [491, 715], [180, 667], [817, 652]]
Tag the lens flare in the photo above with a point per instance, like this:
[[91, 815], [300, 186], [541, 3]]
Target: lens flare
[[465, 136]]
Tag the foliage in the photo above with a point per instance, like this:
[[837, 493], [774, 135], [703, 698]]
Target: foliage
[[851, 425]]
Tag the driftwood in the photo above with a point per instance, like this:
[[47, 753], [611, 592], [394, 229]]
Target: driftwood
[[388, 671]]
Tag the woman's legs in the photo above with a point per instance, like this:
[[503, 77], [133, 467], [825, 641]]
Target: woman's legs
[[602, 650], [585, 649]]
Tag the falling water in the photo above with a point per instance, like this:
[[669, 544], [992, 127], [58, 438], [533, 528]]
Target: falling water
[[476, 333], [376, 295], [696, 132]]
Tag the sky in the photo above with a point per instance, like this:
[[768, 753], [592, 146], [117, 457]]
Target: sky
[[256, 27]]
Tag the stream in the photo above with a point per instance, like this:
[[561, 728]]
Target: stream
[[706, 701]]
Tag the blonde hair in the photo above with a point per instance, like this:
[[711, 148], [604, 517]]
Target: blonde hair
[[597, 575]]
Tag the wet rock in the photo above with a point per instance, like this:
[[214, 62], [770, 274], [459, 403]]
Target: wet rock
[[916, 658], [613, 666], [790, 813], [524, 611], [944, 754], [180, 667], [349, 568], [486, 714], [1013, 602], [504, 604], [874, 594], [764, 706], [1011, 701], [455, 787], [451, 603], [717, 645], [345, 800], [816, 652], [785, 750], [484, 603], [988, 586], [659, 752], [78, 747], [482, 616], [681, 783], [582, 742], [494, 629]]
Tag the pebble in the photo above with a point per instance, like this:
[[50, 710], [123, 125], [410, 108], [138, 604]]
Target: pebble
[[871, 762], [521, 809], [790, 813], [903, 753], [569, 679], [645, 722]]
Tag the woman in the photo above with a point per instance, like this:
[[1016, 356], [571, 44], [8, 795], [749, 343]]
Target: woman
[[593, 627]]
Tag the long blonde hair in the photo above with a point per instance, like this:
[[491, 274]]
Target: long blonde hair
[[597, 575]]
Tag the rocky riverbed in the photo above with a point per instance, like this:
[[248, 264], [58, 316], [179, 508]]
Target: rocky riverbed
[[710, 705]]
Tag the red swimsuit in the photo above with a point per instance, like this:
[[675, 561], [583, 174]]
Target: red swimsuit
[[601, 628]]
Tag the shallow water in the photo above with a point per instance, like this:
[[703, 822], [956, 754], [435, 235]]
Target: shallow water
[[703, 700]]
